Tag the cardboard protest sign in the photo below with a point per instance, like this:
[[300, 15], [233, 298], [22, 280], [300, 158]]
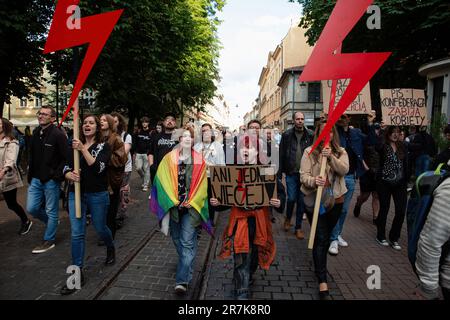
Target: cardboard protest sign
[[403, 107], [361, 105], [244, 186]]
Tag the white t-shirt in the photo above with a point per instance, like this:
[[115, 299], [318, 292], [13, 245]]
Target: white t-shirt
[[129, 140], [213, 154]]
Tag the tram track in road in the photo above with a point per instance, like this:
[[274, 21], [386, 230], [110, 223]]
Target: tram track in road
[[107, 283]]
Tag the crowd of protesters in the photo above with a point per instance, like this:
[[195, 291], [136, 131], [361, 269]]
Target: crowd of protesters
[[174, 168]]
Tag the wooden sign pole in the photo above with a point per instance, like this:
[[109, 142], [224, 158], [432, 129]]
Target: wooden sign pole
[[76, 159], [323, 165]]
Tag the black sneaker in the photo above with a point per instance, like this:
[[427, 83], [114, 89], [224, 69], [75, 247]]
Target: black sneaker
[[25, 227], [44, 247], [357, 211], [324, 295]]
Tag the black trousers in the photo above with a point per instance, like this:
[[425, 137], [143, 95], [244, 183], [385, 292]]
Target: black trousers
[[245, 264], [325, 226], [11, 202], [400, 196], [114, 200]]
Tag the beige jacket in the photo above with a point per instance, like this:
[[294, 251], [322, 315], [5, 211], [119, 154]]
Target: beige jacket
[[336, 170], [8, 157]]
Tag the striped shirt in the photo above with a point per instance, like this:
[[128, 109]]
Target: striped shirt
[[433, 271]]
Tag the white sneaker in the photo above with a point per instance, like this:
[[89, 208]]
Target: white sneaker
[[342, 242], [383, 242], [180, 289], [334, 250], [145, 189], [395, 246]]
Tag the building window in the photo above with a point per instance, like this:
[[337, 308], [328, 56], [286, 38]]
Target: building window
[[314, 92], [438, 88], [23, 102], [38, 102]]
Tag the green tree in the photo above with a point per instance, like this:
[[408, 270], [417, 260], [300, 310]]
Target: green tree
[[162, 56], [23, 24]]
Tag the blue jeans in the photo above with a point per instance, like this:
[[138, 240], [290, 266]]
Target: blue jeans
[[184, 236], [43, 204], [98, 204], [350, 183], [295, 196], [422, 164]]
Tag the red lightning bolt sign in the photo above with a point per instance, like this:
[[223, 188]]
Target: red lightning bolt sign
[[95, 31], [327, 63]]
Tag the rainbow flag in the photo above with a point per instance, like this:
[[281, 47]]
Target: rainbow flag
[[164, 194]]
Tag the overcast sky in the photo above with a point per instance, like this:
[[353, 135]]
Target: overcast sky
[[250, 29]]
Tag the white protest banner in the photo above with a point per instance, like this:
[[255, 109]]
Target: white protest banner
[[403, 107], [361, 105], [244, 186]]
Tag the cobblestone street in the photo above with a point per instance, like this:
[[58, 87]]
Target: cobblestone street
[[146, 263]]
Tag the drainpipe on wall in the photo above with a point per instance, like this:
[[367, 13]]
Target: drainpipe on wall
[[293, 94]]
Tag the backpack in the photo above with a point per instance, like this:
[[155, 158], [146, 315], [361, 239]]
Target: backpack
[[419, 206]]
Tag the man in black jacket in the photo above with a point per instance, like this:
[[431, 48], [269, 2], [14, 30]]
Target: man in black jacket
[[293, 143], [48, 154]]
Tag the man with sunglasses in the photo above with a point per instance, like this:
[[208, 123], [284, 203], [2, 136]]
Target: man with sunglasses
[[48, 154]]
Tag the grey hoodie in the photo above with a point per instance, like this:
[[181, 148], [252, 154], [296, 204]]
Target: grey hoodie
[[432, 262]]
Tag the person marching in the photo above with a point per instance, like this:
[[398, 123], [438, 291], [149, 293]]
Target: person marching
[[121, 128], [180, 201], [143, 141], [332, 197], [116, 167], [94, 159], [249, 231], [48, 155], [293, 143], [10, 179], [163, 143], [353, 140], [213, 154], [392, 179]]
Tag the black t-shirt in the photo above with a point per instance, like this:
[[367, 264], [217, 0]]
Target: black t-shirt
[[162, 144], [142, 142], [93, 178]]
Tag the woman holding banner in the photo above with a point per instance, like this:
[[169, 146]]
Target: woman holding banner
[[180, 200], [249, 230], [332, 197], [94, 160]]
